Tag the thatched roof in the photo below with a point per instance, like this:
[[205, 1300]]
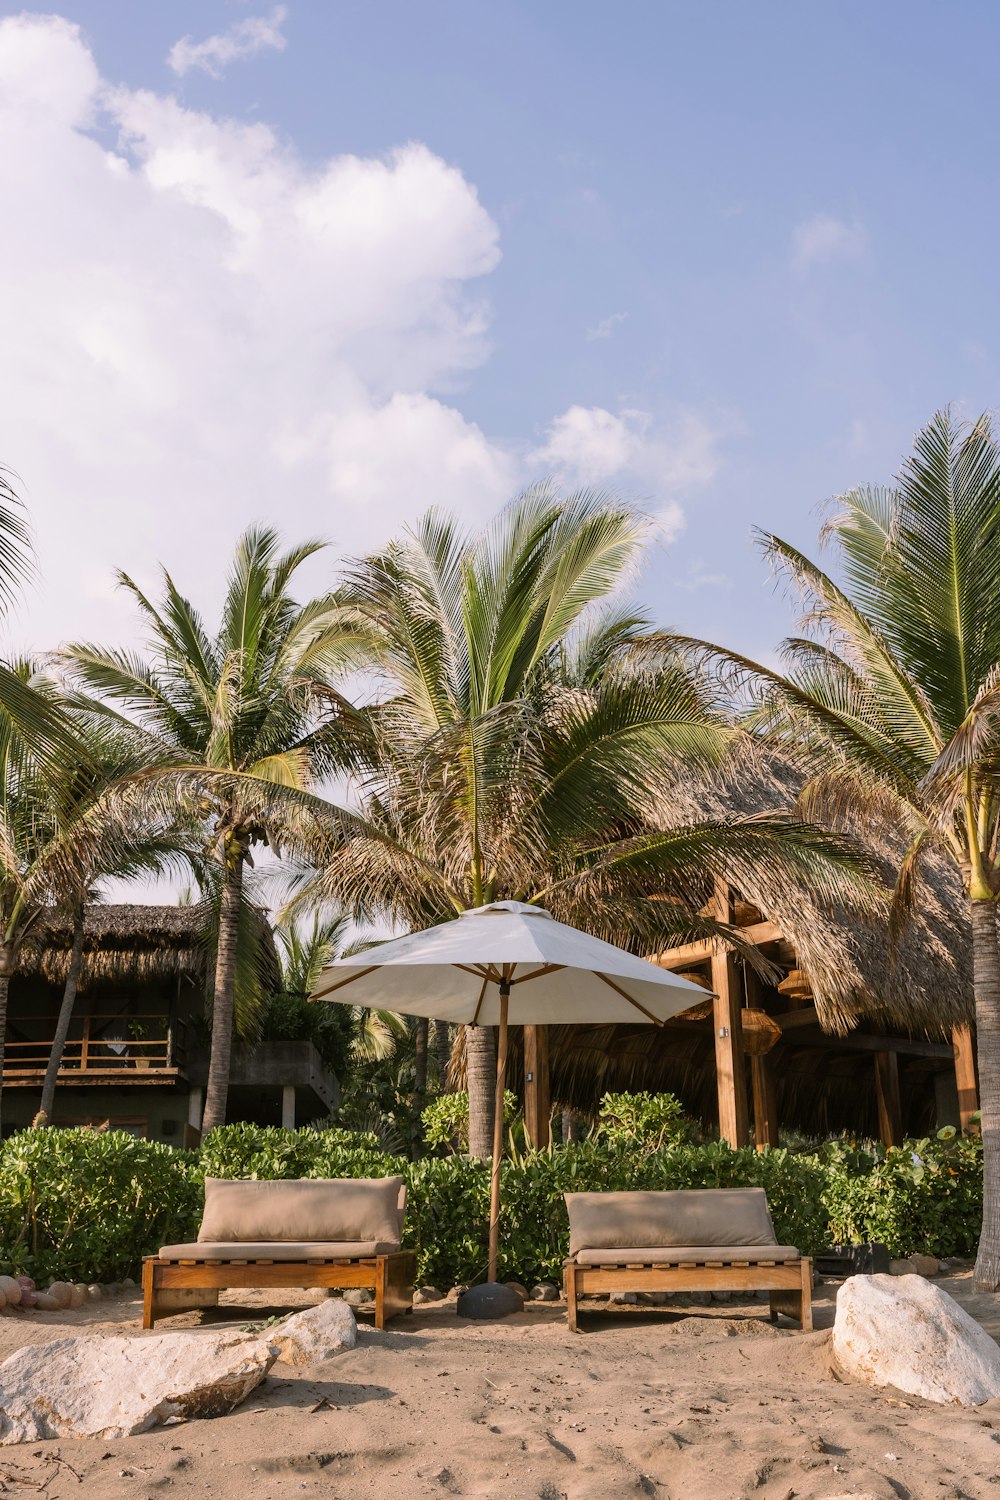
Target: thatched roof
[[923, 987], [125, 942]]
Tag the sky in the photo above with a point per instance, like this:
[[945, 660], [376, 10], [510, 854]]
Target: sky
[[326, 264]]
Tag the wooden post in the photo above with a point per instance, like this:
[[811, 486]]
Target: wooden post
[[498, 1127], [965, 1074], [729, 1062], [890, 1111], [537, 1103], [765, 1104]]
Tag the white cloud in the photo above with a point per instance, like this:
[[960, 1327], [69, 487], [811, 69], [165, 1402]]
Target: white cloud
[[697, 577], [243, 39], [822, 239], [606, 327], [201, 330], [590, 445]]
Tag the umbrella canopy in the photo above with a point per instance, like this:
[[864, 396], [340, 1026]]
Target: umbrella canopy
[[556, 974], [501, 963]]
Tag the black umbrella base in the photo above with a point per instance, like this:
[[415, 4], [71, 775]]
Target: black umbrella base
[[489, 1300]]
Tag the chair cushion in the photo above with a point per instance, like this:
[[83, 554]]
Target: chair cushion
[[688, 1216], [275, 1250], [309, 1210], [668, 1255]]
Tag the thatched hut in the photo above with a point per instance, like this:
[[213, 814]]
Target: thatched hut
[[847, 1031], [138, 1046]]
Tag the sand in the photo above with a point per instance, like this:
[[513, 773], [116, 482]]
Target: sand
[[703, 1406]]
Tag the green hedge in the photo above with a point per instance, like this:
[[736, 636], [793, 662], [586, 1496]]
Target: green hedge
[[88, 1206]]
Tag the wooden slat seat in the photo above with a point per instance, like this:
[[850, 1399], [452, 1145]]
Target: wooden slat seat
[[238, 1248], [173, 1285], [604, 1261]]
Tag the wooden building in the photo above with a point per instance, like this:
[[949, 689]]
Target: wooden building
[[845, 1029], [138, 1047]]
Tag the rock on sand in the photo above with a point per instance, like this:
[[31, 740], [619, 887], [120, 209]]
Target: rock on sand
[[114, 1387], [318, 1333], [906, 1332]]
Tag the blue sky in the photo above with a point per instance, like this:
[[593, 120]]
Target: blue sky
[[729, 256]]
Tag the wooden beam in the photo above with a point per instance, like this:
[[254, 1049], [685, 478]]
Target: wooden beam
[[863, 1042], [765, 1104], [537, 1103], [701, 952], [890, 1111], [729, 1063], [965, 1074]]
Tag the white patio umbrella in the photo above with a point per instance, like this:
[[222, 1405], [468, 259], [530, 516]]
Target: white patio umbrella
[[507, 963]]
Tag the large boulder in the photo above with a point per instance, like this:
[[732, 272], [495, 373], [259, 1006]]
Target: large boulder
[[317, 1333], [906, 1332], [114, 1387]]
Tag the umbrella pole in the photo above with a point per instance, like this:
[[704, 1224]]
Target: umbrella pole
[[498, 1132]]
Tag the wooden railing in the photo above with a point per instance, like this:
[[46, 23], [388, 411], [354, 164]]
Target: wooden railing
[[96, 1044]]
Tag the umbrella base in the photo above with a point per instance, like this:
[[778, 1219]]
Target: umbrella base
[[490, 1299]]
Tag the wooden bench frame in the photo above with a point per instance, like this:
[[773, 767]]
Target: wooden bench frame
[[789, 1283], [175, 1286]]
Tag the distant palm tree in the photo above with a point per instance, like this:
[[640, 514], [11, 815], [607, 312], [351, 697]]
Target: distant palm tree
[[246, 714], [518, 753], [896, 697], [97, 832]]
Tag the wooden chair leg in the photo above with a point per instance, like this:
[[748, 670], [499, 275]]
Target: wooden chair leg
[[148, 1305], [381, 1276], [806, 1319], [569, 1288]]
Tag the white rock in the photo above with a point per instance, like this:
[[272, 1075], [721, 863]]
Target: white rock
[[94, 1293], [45, 1302], [901, 1268], [11, 1290], [356, 1296], [317, 1333], [908, 1333], [63, 1293], [78, 1296], [112, 1388]]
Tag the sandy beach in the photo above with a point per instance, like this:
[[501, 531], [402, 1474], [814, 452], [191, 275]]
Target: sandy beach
[[716, 1405]]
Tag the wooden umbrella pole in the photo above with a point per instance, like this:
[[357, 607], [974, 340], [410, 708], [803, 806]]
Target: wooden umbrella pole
[[498, 1131]]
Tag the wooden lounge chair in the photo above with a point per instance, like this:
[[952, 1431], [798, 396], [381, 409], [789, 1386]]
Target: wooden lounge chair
[[705, 1240], [315, 1232]]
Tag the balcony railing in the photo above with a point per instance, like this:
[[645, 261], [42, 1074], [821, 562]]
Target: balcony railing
[[98, 1049]]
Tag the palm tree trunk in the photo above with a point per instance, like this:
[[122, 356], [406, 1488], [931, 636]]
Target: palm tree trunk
[[442, 1052], [420, 1037], [986, 977], [217, 1090], [62, 1024], [6, 965], [481, 1080]]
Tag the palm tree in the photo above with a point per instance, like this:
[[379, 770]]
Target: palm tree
[[96, 832], [517, 751], [895, 694], [62, 825], [247, 718]]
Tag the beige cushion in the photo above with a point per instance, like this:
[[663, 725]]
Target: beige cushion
[[275, 1250], [669, 1255], [308, 1210], [689, 1216]]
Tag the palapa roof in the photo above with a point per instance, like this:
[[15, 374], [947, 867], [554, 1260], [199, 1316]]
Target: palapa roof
[[922, 985], [129, 942]]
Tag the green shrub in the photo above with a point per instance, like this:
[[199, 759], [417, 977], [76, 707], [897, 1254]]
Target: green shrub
[[87, 1206], [646, 1121], [445, 1122], [924, 1196]]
